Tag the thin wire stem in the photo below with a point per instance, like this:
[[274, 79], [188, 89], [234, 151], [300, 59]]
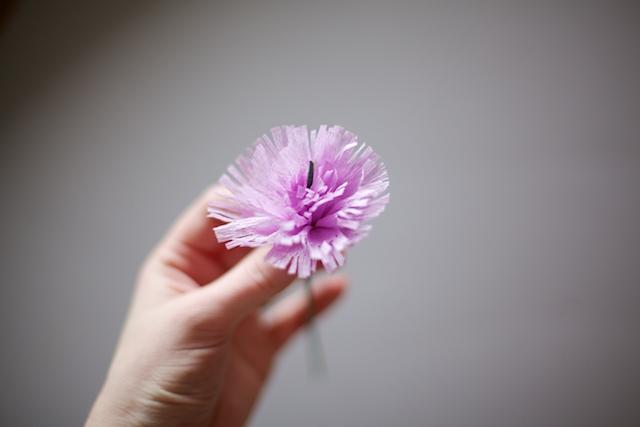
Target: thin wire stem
[[316, 354]]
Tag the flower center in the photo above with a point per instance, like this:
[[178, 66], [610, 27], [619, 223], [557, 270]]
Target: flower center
[[314, 202], [313, 196]]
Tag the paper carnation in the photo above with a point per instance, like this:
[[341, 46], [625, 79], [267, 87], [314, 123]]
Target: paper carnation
[[308, 196]]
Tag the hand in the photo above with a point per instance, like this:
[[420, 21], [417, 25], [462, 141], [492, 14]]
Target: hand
[[196, 348]]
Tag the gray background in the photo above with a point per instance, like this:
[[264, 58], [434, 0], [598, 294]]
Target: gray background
[[501, 286]]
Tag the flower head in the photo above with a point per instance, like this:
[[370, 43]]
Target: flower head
[[309, 196]]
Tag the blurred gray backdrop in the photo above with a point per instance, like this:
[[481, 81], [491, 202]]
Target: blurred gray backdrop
[[500, 288]]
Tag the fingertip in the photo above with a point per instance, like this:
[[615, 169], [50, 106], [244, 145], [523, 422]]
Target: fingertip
[[335, 284], [328, 290]]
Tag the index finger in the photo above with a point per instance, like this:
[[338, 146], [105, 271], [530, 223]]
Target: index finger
[[191, 245], [193, 228]]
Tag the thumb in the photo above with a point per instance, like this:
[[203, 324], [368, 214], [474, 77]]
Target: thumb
[[244, 288]]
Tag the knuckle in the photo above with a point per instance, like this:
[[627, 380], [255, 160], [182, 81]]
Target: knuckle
[[198, 320]]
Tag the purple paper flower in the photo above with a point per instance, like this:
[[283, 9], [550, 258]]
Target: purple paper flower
[[309, 198]]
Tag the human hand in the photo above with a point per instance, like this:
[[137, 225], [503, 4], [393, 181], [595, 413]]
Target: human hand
[[196, 348]]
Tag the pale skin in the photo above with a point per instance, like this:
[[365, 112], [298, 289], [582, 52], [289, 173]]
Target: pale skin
[[197, 346]]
